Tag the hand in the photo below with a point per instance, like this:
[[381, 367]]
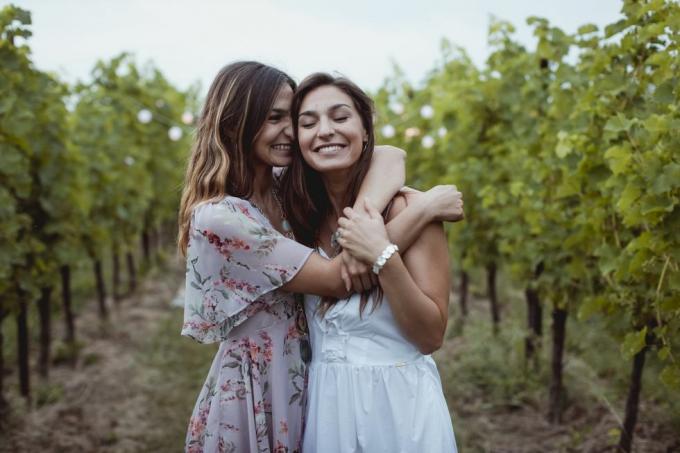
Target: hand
[[357, 276], [444, 203], [363, 235]]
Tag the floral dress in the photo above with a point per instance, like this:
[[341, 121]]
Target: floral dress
[[253, 398]]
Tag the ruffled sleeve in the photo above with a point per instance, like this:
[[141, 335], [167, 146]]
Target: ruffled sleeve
[[232, 260]]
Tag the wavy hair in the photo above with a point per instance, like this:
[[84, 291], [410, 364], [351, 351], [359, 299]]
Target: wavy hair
[[221, 162]]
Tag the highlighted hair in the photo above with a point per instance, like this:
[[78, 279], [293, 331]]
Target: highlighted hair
[[221, 162]]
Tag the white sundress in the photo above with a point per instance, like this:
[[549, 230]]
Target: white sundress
[[370, 389]]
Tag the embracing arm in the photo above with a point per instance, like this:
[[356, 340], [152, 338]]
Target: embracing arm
[[417, 284], [329, 277], [325, 277], [385, 176], [319, 276], [440, 203]]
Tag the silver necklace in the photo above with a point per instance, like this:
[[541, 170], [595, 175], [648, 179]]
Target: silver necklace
[[285, 225]]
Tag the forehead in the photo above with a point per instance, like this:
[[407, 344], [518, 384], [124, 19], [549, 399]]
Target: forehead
[[322, 98], [284, 97]]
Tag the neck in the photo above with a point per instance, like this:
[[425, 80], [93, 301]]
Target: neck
[[263, 182], [336, 187]]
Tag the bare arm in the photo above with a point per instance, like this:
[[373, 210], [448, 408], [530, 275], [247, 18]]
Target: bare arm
[[385, 177], [407, 223], [441, 203], [319, 276], [417, 288], [324, 277], [332, 277], [417, 285]]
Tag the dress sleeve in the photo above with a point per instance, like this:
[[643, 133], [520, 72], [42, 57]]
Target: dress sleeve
[[232, 260]]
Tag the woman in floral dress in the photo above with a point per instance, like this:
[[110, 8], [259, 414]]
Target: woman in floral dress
[[243, 268]]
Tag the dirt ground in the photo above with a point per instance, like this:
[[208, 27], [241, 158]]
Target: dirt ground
[[590, 427], [136, 380], [111, 401]]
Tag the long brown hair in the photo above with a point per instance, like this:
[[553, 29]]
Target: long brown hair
[[221, 161], [305, 199]]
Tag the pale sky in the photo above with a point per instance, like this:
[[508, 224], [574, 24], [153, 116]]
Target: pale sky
[[192, 40]]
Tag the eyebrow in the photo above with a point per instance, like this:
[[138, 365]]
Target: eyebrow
[[313, 113], [283, 111]]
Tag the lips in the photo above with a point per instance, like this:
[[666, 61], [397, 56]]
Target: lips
[[282, 147], [329, 148]]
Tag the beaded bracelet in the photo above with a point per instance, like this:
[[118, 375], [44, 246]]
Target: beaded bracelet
[[384, 256]]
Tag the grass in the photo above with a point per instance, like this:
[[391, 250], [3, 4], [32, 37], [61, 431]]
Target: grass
[[173, 370], [488, 384]]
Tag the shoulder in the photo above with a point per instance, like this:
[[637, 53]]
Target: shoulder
[[223, 211]]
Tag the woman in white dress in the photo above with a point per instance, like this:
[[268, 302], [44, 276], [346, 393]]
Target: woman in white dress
[[373, 386]]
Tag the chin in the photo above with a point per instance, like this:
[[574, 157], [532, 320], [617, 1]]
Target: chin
[[326, 167], [279, 161]]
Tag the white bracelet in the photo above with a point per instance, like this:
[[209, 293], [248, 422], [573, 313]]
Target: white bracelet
[[384, 256]]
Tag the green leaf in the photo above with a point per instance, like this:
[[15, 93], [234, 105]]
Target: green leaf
[[564, 146], [656, 123], [618, 123], [667, 180], [629, 196], [633, 343], [656, 204], [659, 59], [611, 30], [569, 187], [586, 29], [670, 376], [563, 149], [670, 304], [619, 158]]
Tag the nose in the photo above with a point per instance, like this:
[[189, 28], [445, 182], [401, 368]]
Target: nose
[[288, 130], [325, 128]]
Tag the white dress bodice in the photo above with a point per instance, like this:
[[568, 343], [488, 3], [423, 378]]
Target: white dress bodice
[[370, 389]]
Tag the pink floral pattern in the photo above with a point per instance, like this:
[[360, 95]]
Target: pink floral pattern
[[254, 394]]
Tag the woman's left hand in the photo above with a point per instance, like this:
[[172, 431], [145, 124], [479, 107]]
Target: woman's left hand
[[363, 235], [357, 276]]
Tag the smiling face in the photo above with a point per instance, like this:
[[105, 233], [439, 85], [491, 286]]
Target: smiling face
[[273, 143], [330, 132]]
